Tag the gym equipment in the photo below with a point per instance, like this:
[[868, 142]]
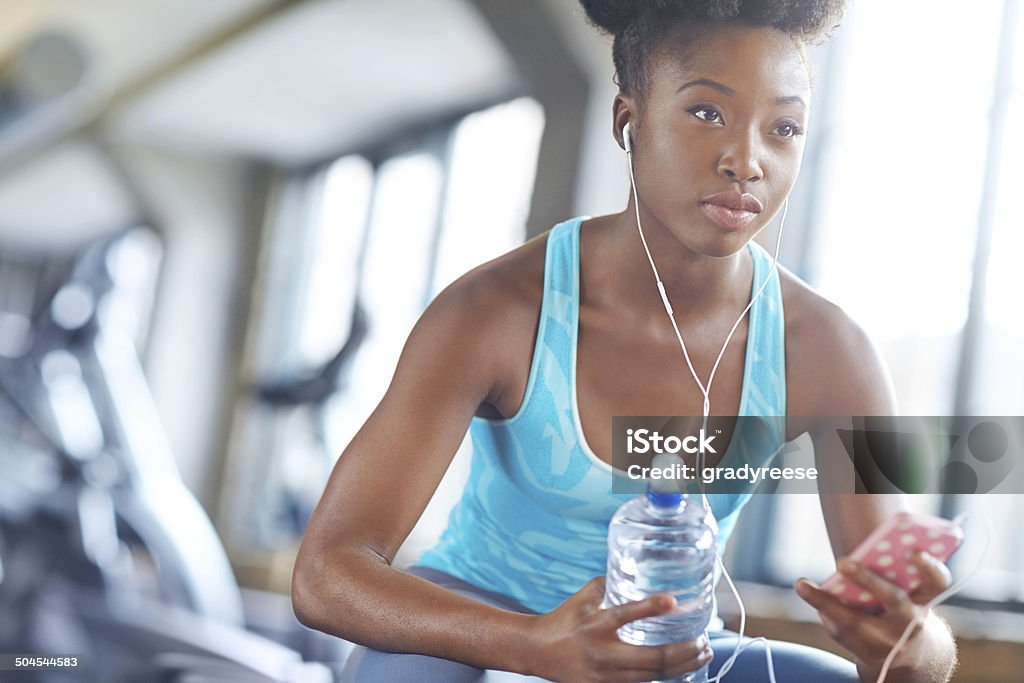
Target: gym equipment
[[104, 552]]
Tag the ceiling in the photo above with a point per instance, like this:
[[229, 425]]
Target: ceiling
[[285, 81], [125, 38], [326, 75]]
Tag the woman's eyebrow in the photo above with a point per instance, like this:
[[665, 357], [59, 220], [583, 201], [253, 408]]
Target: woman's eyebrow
[[722, 88], [709, 83], [796, 99]]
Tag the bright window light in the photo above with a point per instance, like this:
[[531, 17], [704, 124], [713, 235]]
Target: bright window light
[[494, 161], [336, 239], [394, 283], [902, 185], [900, 207]]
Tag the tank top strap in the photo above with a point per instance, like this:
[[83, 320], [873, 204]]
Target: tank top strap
[[765, 367], [561, 273], [548, 390]]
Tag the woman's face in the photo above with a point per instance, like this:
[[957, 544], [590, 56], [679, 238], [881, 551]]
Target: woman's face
[[719, 135]]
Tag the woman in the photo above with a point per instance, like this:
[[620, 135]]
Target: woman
[[538, 349]]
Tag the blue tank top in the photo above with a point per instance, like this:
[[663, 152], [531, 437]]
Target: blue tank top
[[532, 522]]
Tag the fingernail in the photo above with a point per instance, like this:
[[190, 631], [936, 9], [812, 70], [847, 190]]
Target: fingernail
[[847, 565]]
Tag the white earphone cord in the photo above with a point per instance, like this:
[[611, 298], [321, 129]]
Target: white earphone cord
[[956, 587], [706, 392]]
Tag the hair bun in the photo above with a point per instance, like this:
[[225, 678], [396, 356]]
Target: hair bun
[[639, 26], [615, 16], [612, 16]]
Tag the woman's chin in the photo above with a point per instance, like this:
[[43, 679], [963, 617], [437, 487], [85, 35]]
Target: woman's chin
[[725, 245]]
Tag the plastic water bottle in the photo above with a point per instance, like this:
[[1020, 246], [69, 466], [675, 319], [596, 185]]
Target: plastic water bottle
[[663, 542]]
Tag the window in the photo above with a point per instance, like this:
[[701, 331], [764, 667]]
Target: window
[[900, 197], [357, 251]]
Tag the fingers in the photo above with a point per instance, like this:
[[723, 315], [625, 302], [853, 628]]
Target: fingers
[[866, 634], [892, 597], [862, 633], [640, 609], [668, 657], [665, 674], [836, 615], [935, 577], [683, 661], [648, 662]]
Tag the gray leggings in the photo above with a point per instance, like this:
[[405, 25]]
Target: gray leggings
[[792, 662]]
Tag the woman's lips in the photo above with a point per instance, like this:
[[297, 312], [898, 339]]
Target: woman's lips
[[724, 217], [731, 209]]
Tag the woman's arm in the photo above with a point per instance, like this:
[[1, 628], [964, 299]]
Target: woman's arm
[[343, 580], [455, 359], [929, 656], [851, 380]]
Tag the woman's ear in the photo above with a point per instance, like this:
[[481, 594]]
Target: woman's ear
[[623, 112]]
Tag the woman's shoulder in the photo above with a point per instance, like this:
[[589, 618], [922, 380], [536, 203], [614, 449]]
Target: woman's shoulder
[[493, 307], [488, 320], [833, 367], [812, 320], [510, 284]]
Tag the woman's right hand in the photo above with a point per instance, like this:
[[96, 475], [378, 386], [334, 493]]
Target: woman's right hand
[[578, 641]]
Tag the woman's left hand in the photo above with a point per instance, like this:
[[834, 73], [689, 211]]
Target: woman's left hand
[[871, 637]]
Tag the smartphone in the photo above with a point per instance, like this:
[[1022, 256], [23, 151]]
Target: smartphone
[[887, 552]]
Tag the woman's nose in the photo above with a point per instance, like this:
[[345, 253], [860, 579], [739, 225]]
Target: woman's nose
[[740, 163]]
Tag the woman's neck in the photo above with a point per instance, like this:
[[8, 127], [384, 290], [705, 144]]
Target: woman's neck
[[698, 286]]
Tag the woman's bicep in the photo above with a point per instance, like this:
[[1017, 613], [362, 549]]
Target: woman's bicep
[[858, 385], [385, 477]]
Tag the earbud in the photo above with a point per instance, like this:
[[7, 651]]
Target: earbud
[[625, 138]]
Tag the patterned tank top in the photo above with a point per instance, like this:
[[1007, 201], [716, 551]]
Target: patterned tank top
[[532, 522]]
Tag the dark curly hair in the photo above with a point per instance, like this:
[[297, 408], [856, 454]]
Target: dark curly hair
[[639, 27]]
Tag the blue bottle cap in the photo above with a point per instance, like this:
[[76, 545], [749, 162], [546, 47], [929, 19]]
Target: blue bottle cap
[[664, 491], [663, 500]]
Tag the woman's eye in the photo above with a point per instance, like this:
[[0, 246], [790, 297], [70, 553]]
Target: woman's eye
[[707, 114], [789, 130]]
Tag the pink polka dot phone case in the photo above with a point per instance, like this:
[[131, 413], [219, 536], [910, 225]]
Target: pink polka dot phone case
[[887, 552]]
